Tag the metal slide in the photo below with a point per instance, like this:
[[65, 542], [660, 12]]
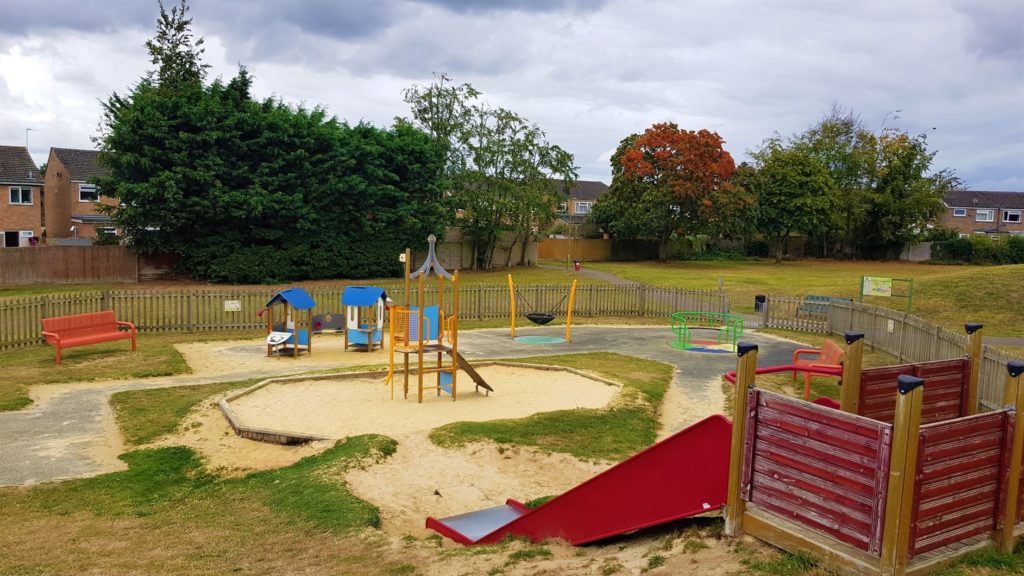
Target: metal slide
[[684, 475]]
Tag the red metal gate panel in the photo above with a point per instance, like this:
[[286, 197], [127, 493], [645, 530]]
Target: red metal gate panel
[[944, 390], [878, 392], [819, 467], [960, 470]]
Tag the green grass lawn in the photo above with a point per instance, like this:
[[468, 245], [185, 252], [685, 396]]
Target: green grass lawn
[[522, 276], [156, 356], [167, 515], [946, 295], [145, 415], [612, 433]]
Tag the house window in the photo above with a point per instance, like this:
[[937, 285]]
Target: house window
[[984, 215], [107, 231], [21, 195], [87, 193], [583, 207], [1011, 216], [563, 206], [959, 212]]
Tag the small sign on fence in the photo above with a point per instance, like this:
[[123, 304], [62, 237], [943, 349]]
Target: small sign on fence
[[232, 305]]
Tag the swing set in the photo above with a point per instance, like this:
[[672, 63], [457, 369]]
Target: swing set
[[518, 300]]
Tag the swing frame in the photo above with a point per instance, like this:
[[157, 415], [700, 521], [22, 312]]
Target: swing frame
[[541, 318]]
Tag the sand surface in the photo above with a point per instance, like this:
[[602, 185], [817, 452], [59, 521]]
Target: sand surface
[[347, 407], [228, 356], [421, 479]]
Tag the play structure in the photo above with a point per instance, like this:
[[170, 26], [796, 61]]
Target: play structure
[[427, 330], [518, 301], [690, 326], [902, 476], [824, 361], [364, 316], [289, 316]]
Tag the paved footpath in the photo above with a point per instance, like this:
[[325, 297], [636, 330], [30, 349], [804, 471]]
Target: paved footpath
[[67, 435]]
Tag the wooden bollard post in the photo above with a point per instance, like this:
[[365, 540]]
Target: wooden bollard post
[[1013, 395], [746, 367], [849, 394], [902, 471], [974, 347]]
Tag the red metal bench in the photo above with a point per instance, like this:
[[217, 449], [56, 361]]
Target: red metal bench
[[84, 329]]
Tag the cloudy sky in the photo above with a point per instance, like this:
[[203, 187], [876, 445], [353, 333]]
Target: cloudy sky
[[589, 72]]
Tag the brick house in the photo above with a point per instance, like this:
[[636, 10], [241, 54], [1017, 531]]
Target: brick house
[[581, 199], [70, 199], [20, 206], [981, 212]]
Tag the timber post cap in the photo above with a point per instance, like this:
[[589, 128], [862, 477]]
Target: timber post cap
[[743, 347], [907, 383], [1015, 368], [852, 337], [971, 328]]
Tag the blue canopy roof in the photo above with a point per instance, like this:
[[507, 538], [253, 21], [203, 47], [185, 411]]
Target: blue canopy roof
[[362, 295], [295, 297]]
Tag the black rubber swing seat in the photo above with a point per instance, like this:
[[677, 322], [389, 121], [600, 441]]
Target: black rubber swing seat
[[538, 318]]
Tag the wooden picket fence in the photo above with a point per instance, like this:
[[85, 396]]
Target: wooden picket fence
[[207, 310], [907, 337]]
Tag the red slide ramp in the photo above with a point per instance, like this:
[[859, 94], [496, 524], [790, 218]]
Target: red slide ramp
[[683, 475]]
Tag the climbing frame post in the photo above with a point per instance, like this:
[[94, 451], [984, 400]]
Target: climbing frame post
[[746, 367], [899, 500], [853, 360], [974, 352], [1014, 394]]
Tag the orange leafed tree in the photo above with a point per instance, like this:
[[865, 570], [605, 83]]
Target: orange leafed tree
[[686, 174], [690, 164]]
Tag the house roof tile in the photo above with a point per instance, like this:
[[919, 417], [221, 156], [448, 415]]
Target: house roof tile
[[80, 164], [984, 199], [17, 167], [588, 190]]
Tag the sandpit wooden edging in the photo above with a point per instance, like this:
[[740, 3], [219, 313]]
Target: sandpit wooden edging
[[289, 438]]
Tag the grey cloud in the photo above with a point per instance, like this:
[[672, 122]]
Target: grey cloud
[[998, 28], [477, 6], [27, 16]]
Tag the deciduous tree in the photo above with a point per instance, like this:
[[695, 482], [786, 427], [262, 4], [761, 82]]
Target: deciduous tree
[[501, 172], [666, 181], [794, 193]]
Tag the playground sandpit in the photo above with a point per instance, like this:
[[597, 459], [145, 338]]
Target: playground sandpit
[[333, 407]]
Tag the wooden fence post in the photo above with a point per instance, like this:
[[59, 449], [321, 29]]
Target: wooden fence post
[[1014, 394], [853, 360], [746, 366], [899, 499], [974, 347]]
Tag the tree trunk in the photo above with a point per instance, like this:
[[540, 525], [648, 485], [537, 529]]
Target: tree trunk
[[523, 259], [780, 243]]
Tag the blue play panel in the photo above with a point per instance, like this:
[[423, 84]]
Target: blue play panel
[[539, 340]]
